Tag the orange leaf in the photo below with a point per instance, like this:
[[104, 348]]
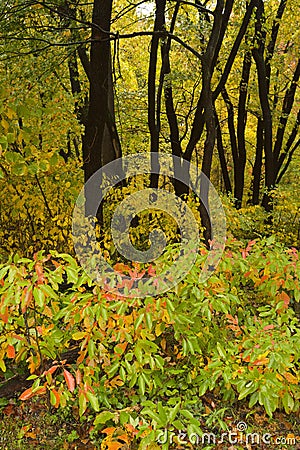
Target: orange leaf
[[123, 437], [40, 273], [114, 445], [260, 362], [291, 378], [109, 431], [70, 380], [10, 351], [57, 396], [4, 316], [285, 298], [51, 370], [122, 347], [78, 377], [26, 394], [40, 391], [81, 357], [27, 298]]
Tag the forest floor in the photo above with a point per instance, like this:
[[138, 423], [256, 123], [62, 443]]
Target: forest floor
[[34, 425]]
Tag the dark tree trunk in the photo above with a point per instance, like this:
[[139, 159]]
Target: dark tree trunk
[[100, 142], [222, 157], [179, 187], [153, 101], [258, 162], [285, 113], [211, 55], [241, 127], [263, 87], [289, 150]]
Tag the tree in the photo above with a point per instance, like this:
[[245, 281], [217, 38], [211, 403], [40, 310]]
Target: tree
[[214, 84]]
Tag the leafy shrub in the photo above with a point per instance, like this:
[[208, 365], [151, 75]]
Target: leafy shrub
[[143, 365], [252, 221]]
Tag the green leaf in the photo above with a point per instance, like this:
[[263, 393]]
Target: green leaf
[[152, 415], [149, 320], [39, 297], [94, 400], [138, 321], [162, 414], [253, 399], [173, 412], [72, 275], [247, 390], [269, 404], [141, 383], [82, 404], [49, 291], [104, 417], [124, 417], [3, 271], [221, 351]]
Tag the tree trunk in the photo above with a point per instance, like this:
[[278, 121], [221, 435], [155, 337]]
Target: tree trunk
[[100, 142]]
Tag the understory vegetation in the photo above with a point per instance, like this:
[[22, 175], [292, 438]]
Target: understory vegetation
[[213, 85]]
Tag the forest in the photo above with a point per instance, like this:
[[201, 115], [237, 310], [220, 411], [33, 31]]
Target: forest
[[150, 224]]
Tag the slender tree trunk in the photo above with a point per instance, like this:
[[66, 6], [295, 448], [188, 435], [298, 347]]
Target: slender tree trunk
[[258, 162], [222, 158], [241, 127], [263, 88], [153, 101], [99, 144]]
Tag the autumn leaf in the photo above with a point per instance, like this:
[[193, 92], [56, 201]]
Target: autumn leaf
[[269, 327], [11, 353], [51, 370], [290, 378], [112, 445], [261, 361], [40, 273], [27, 298], [54, 398], [26, 394], [109, 431], [78, 377], [70, 380]]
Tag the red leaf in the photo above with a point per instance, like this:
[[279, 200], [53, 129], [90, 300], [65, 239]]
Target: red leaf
[[269, 327], [151, 271], [51, 370], [70, 380]]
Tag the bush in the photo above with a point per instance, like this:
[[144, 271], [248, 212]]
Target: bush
[[143, 365]]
